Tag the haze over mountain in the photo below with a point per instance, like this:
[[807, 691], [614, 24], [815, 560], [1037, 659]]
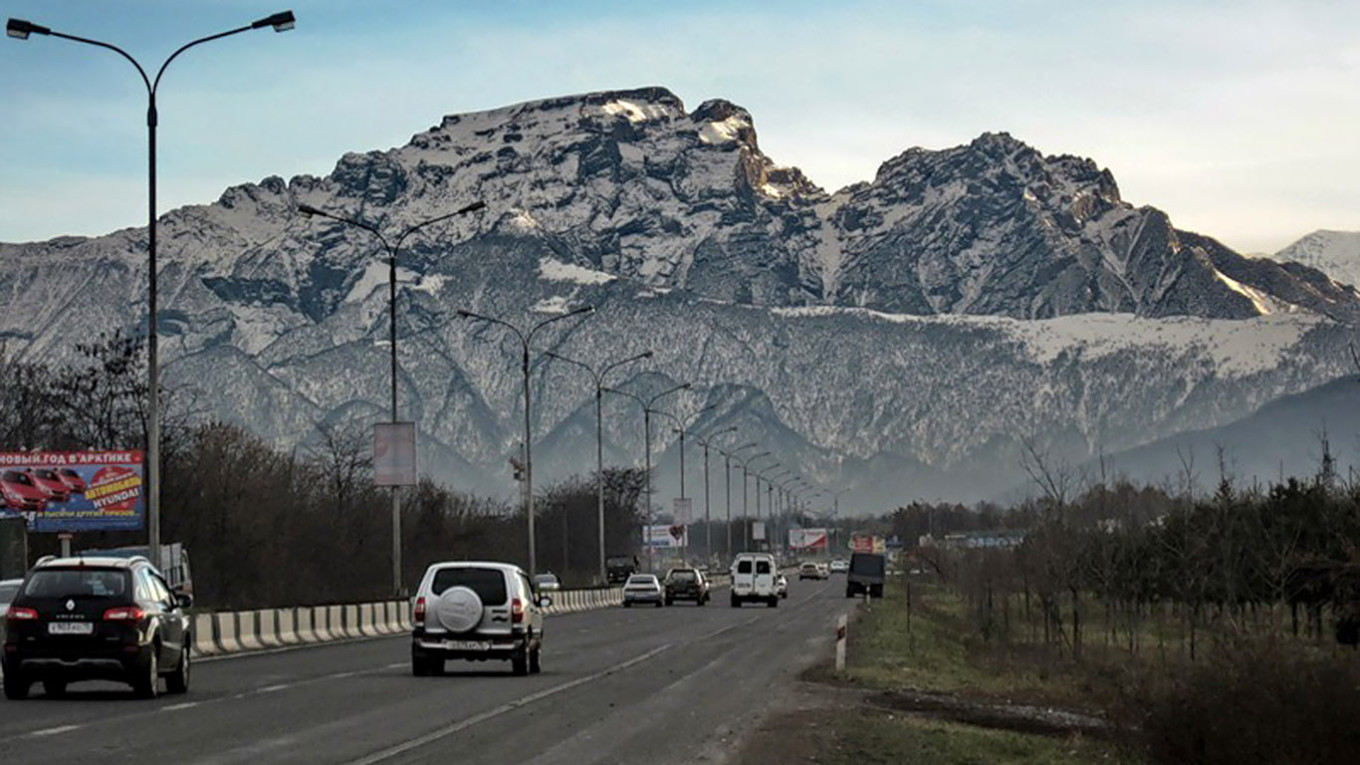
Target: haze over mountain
[[899, 337]]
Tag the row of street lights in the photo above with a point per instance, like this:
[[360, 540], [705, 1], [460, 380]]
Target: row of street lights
[[21, 30]]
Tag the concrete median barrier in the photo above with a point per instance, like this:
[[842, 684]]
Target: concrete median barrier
[[267, 626], [306, 618], [225, 629], [204, 642], [227, 632], [287, 624], [245, 631]]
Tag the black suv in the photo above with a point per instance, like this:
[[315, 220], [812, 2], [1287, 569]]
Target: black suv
[[686, 584], [96, 619]]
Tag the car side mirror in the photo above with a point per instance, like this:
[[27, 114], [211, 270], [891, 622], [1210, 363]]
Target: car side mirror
[[184, 600], [544, 601]]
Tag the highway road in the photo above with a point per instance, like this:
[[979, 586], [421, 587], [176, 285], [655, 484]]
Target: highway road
[[641, 685]]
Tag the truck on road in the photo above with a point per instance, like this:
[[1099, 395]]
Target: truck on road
[[867, 571]]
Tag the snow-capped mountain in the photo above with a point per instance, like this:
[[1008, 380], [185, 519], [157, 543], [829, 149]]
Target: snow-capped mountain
[[900, 337], [1334, 253]]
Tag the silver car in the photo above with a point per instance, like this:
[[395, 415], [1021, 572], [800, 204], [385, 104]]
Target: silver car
[[477, 611], [643, 588]]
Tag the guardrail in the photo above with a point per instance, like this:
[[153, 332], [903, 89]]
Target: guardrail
[[226, 632]]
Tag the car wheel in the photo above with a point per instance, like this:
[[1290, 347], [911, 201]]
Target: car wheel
[[659, 604], [147, 676], [16, 686], [519, 664], [736, 603], [627, 604], [669, 601], [535, 661], [178, 681], [774, 602], [54, 688]]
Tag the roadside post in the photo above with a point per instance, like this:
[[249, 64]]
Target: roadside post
[[66, 538], [841, 623]]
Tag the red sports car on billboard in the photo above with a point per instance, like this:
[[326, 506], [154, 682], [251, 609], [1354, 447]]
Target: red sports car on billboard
[[74, 483], [47, 480], [21, 493]]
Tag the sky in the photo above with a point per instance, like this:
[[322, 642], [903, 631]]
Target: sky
[[1238, 118]]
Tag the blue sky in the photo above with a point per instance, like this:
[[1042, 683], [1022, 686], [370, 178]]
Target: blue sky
[[1237, 118]]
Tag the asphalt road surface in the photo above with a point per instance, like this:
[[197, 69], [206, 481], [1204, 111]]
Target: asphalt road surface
[[643, 685]]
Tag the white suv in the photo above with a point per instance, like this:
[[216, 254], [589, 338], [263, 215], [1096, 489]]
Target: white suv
[[476, 611], [754, 578]]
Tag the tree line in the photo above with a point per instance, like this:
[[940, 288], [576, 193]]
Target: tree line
[[267, 526]]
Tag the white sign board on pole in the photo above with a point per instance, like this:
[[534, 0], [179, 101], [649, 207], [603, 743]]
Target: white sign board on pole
[[394, 454], [758, 531], [683, 509], [661, 536]]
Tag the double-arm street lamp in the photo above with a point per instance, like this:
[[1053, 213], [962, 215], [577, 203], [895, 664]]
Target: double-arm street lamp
[[392, 249], [20, 29], [525, 338], [706, 441], [759, 476], [745, 507], [727, 474], [598, 376], [647, 412]]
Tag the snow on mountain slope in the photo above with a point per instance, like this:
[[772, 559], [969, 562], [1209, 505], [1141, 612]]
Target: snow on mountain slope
[[1335, 253], [905, 333]]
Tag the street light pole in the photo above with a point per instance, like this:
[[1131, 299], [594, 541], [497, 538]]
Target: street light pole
[[727, 472], [598, 377], [525, 338], [647, 453], [392, 250], [708, 516], [20, 29]]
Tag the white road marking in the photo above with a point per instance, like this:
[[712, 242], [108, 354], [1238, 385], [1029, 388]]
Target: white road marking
[[54, 731], [449, 730], [273, 688], [177, 707]]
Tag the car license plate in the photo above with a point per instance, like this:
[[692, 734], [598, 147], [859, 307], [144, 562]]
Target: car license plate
[[70, 628], [467, 645]]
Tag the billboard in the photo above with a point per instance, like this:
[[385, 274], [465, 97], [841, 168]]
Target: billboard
[[660, 536], [808, 539], [73, 491], [394, 454], [867, 543], [684, 510]]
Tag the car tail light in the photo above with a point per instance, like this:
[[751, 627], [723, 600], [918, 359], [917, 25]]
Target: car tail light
[[516, 611], [419, 616], [21, 614], [124, 614]]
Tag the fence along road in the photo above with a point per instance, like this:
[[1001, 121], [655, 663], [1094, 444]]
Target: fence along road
[[614, 683]]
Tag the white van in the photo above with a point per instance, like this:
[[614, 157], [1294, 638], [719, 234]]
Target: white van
[[753, 579]]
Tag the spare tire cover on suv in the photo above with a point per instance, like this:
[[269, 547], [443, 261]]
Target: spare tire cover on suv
[[458, 609]]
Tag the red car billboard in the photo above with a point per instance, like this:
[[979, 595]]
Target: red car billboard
[[73, 491], [808, 539]]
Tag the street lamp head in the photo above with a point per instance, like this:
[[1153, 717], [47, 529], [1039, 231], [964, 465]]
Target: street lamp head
[[20, 29], [281, 22], [308, 210], [474, 207]]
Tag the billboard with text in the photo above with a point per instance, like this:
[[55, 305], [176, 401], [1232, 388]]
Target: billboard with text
[[662, 535], [74, 491], [808, 539]]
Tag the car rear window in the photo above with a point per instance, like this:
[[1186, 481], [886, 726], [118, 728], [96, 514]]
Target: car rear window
[[682, 576], [744, 567], [762, 567], [91, 583], [488, 583]]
